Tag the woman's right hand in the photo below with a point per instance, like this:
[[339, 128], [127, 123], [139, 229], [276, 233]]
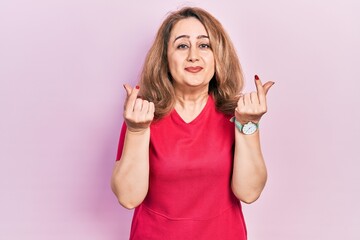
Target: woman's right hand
[[138, 113]]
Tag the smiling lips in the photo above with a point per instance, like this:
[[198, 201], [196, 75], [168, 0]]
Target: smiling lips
[[193, 69]]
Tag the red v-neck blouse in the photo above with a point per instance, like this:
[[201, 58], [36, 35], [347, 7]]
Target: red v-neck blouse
[[189, 193]]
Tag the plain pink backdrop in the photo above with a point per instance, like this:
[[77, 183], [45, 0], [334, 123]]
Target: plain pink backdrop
[[62, 66]]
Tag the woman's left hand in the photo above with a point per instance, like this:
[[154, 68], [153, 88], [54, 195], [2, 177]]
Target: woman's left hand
[[251, 106]]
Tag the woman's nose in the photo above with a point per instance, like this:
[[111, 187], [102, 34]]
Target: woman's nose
[[193, 55]]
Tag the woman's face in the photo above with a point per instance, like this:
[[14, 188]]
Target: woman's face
[[190, 58]]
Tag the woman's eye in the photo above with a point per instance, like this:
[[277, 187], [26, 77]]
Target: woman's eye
[[182, 46], [204, 45]]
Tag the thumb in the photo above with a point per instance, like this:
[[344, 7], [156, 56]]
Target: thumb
[[128, 89], [267, 86]]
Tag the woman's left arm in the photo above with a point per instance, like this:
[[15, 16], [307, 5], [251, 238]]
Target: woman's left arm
[[249, 170]]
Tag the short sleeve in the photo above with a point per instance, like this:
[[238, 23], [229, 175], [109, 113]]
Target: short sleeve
[[121, 142]]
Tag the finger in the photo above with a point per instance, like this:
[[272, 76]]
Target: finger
[[254, 98], [131, 98], [241, 101], [267, 86], [138, 105], [247, 99], [128, 89], [145, 107], [260, 90], [151, 111]]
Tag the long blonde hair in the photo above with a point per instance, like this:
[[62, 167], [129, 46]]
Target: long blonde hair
[[227, 82]]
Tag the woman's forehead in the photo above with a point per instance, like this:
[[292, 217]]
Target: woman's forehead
[[188, 27]]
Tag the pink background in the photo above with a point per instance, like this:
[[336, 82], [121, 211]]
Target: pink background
[[62, 66]]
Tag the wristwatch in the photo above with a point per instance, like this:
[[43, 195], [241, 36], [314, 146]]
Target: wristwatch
[[247, 129]]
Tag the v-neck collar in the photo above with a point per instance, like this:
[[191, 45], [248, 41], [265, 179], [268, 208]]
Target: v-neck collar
[[178, 119]]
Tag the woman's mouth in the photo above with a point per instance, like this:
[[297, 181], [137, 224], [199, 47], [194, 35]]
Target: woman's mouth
[[193, 69]]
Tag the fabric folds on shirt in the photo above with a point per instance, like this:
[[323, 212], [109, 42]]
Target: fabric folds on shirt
[[189, 193]]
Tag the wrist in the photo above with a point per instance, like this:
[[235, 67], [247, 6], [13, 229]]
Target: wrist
[[137, 131], [246, 128]]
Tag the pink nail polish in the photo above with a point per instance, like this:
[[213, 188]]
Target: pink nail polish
[[137, 87], [256, 77]]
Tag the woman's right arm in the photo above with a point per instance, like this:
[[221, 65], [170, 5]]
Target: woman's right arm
[[130, 178]]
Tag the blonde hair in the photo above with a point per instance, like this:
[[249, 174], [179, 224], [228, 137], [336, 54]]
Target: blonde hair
[[227, 82]]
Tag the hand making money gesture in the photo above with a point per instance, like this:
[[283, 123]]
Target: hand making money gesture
[[138, 113], [252, 106]]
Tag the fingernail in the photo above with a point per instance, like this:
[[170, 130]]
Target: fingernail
[[137, 87], [256, 77]]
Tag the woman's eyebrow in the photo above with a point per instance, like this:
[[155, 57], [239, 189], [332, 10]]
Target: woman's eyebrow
[[187, 36]]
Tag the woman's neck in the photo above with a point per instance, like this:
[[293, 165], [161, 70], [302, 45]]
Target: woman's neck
[[191, 99], [189, 106]]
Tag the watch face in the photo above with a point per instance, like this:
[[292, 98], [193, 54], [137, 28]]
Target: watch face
[[249, 128]]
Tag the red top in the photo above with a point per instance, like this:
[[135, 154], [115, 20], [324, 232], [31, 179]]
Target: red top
[[189, 193]]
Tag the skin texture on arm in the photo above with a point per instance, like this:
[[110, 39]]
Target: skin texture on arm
[[130, 178], [249, 171]]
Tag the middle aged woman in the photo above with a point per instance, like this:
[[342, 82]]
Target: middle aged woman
[[183, 163]]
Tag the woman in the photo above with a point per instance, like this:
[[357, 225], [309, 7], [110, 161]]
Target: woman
[[183, 163]]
